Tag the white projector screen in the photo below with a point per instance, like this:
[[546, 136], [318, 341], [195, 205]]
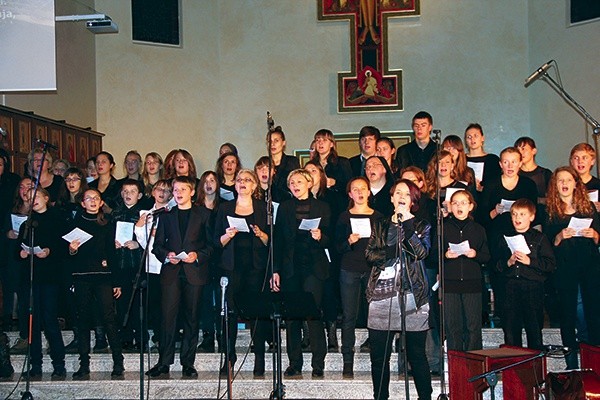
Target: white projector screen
[[27, 46]]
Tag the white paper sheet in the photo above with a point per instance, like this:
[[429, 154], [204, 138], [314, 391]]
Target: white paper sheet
[[77, 234], [36, 249], [517, 243], [477, 168], [450, 192], [579, 224], [593, 195], [460, 248], [506, 205], [362, 226], [124, 232], [308, 224], [182, 256], [226, 194], [239, 223], [16, 221]]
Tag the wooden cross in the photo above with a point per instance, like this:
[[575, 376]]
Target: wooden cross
[[370, 85]]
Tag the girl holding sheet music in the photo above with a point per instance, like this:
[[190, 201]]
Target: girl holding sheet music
[[94, 278], [301, 265], [353, 230], [241, 232], [485, 165], [577, 257], [462, 274], [48, 226]]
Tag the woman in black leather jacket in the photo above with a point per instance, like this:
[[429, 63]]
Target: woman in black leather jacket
[[396, 272]]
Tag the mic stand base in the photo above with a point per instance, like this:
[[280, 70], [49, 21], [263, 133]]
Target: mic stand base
[[26, 395]]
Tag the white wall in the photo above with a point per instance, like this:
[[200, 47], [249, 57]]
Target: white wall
[[554, 124], [462, 61], [75, 98]]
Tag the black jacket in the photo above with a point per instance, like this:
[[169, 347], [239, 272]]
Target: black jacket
[[286, 230], [542, 258], [415, 244], [463, 274]]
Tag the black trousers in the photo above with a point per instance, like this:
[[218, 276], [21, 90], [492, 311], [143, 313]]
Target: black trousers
[[316, 333], [175, 296], [463, 321], [523, 308], [381, 350], [90, 295]]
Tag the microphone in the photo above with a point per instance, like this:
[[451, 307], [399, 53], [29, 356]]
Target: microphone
[[399, 217], [224, 282], [437, 134], [161, 210], [270, 122], [553, 348], [46, 144], [3, 131], [537, 74]]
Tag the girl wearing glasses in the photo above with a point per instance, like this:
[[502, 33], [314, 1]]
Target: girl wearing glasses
[[93, 279], [462, 274]]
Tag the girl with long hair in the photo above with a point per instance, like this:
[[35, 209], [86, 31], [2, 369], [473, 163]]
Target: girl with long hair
[[577, 257]]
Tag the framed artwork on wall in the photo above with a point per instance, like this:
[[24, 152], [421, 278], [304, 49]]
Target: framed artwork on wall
[[24, 136], [347, 144], [69, 147], [82, 149], [7, 133]]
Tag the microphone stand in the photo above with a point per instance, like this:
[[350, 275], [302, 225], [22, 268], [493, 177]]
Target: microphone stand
[[225, 315], [278, 392], [139, 285], [440, 261], [26, 395], [403, 265], [574, 104]]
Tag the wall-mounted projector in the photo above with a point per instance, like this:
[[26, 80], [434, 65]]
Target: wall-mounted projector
[[102, 26]]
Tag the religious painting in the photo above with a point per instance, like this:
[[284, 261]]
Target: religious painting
[[347, 144], [56, 138], [82, 149], [69, 147], [24, 137], [370, 85], [40, 133], [95, 146], [6, 132]]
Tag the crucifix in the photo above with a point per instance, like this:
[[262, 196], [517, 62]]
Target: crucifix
[[370, 85]]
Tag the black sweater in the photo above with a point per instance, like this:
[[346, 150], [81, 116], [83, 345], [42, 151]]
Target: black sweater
[[463, 274], [353, 255], [92, 262]]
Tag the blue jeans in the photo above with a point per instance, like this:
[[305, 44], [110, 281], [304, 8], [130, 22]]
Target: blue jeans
[[352, 292]]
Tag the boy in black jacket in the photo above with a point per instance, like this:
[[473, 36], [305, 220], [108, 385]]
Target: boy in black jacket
[[524, 274]]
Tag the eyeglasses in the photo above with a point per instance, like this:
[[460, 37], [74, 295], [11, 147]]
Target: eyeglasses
[[91, 198], [461, 203], [244, 180], [162, 190], [71, 180]]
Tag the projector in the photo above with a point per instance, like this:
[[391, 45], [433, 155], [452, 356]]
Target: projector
[[102, 26]]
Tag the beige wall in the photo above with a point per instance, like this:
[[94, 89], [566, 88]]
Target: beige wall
[[75, 98], [554, 124], [462, 61]]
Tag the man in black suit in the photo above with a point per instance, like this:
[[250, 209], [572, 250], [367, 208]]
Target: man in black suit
[[183, 241], [367, 141]]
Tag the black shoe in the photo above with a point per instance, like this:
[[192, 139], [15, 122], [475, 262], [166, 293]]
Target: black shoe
[[365, 347], [207, 345], [291, 371], [59, 373], [83, 373], [72, 347], [101, 346], [35, 372], [317, 373], [118, 370], [348, 371], [259, 366], [435, 372], [158, 371], [189, 372], [128, 347], [137, 348], [223, 370]]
